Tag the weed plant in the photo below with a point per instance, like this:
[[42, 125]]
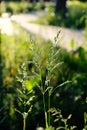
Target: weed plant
[[61, 120], [35, 77], [11, 59], [85, 121], [24, 97]]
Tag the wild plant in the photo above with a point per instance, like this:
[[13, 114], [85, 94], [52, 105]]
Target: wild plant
[[45, 84], [59, 118], [25, 97], [33, 73], [85, 121]]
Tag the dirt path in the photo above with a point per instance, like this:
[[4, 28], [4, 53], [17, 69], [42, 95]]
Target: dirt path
[[49, 32]]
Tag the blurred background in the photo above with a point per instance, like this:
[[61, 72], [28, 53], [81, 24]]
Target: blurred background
[[39, 21]]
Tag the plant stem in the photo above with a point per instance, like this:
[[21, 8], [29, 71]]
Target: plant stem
[[24, 123], [45, 113], [48, 108]]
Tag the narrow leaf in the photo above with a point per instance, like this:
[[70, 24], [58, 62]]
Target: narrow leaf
[[40, 88], [56, 66], [29, 92], [56, 53], [30, 109], [60, 128], [66, 82], [19, 91], [47, 89], [18, 111]]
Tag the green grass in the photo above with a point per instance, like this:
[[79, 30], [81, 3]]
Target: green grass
[[23, 7]]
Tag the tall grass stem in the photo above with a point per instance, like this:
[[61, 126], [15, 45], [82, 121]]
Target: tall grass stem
[[24, 123], [48, 108], [45, 113]]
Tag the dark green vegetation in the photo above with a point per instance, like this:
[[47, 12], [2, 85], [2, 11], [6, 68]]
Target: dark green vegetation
[[42, 59]]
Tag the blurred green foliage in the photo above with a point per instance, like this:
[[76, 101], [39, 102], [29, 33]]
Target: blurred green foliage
[[76, 11], [23, 7], [70, 98]]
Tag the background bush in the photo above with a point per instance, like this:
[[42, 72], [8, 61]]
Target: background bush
[[75, 17], [23, 7]]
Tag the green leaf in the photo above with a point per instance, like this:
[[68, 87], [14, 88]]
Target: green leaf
[[66, 82], [47, 89], [18, 111], [56, 66], [19, 91], [56, 54]]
